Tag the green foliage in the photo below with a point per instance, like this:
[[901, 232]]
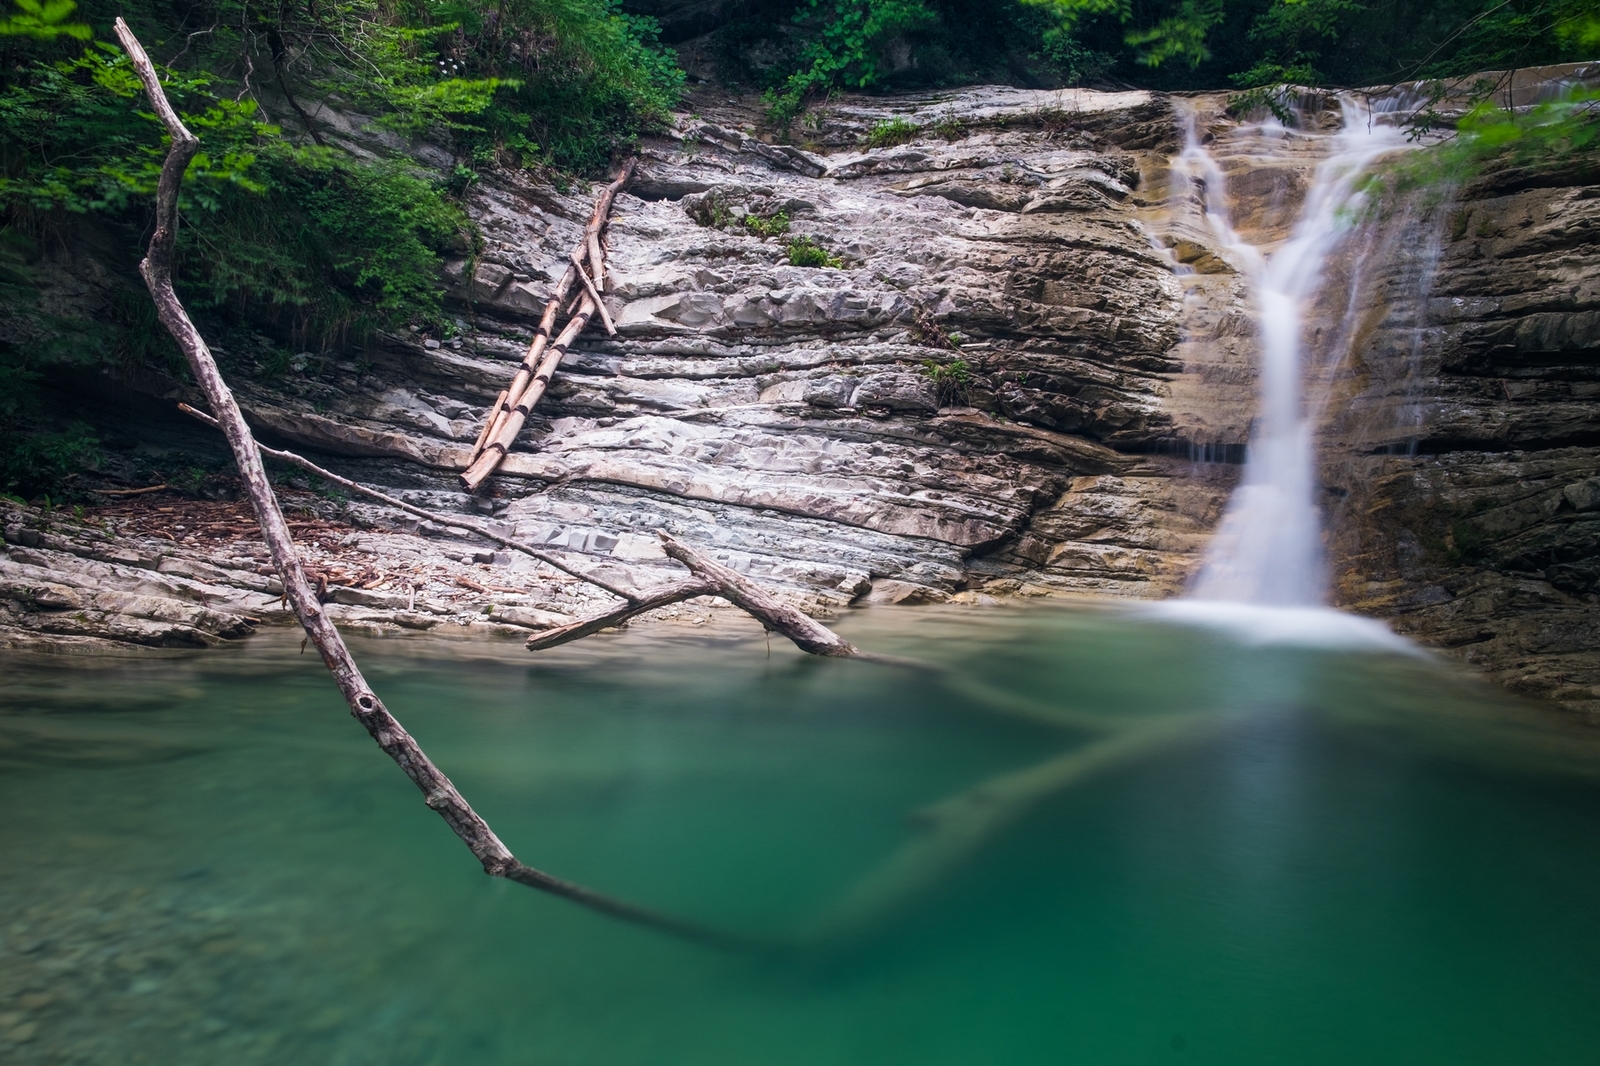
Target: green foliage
[[331, 250], [845, 48], [311, 240], [805, 252], [1549, 133], [764, 226], [44, 22], [710, 211], [953, 380], [874, 45], [35, 461], [714, 212], [891, 132], [1264, 43]]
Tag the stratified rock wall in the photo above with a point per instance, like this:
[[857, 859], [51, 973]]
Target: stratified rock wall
[[1482, 535], [795, 417]]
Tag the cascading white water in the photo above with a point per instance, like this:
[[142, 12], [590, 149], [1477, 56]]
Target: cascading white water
[[1268, 548]]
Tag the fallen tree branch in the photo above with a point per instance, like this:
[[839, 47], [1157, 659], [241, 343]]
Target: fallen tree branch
[[439, 793], [808, 634], [710, 577], [656, 597], [470, 526], [133, 492]]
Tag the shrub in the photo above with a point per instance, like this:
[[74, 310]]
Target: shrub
[[891, 132], [805, 252], [764, 226], [952, 380]]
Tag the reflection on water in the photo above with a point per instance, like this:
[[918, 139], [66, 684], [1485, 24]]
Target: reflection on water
[[1135, 842]]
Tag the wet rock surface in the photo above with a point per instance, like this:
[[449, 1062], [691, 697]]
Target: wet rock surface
[[1480, 536]]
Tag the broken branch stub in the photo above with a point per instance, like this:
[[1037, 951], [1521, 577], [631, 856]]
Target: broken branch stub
[[438, 791], [807, 633]]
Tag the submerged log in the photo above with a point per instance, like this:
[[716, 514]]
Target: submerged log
[[953, 830], [438, 791]]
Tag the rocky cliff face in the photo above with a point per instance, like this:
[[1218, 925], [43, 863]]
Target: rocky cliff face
[[1464, 450], [810, 421], [1028, 373]]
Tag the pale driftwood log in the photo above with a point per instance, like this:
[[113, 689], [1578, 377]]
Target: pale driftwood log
[[628, 594], [808, 634], [594, 298], [530, 364], [533, 361], [496, 409], [711, 578], [662, 596], [437, 790], [953, 830], [499, 442]]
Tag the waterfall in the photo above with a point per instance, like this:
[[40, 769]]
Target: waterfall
[[1267, 550]]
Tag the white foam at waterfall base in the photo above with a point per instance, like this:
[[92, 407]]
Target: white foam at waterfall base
[[1265, 626], [1264, 576]]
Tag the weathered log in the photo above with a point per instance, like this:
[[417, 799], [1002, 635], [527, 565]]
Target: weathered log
[[648, 601], [588, 244], [808, 634], [594, 297], [499, 442], [134, 492], [597, 258], [496, 409], [439, 793]]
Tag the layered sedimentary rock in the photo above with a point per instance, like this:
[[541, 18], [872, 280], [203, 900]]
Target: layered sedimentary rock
[[807, 421], [1467, 459]]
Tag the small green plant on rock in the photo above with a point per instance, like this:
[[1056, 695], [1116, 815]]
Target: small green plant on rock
[[891, 132], [952, 380], [950, 128], [805, 252], [764, 226]]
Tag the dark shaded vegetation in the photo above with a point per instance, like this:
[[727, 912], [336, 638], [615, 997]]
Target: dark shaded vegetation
[[306, 215]]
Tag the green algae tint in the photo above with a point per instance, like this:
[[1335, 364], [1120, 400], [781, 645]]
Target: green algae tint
[[1331, 857]]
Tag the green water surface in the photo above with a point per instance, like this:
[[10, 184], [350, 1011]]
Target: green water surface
[[1352, 856]]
